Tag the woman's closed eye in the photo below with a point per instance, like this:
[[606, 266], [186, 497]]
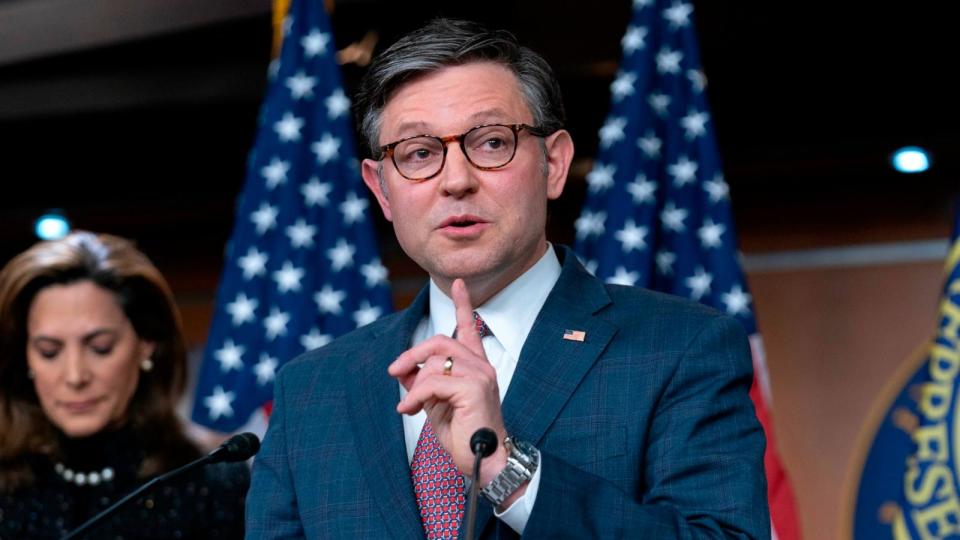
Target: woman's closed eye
[[48, 352], [47, 348], [102, 346]]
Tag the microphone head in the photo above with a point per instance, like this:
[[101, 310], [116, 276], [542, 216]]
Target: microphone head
[[237, 448], [483, 442]]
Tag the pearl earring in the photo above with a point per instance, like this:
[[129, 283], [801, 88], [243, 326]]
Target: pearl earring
[[146, 364]]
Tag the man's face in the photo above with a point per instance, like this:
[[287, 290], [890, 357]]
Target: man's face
[[486, 227]]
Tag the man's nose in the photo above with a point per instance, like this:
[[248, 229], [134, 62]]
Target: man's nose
[[458, 177]]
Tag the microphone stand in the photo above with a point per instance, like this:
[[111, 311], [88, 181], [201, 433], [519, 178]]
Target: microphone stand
[[482, 443], [112, 509], [237, 448]]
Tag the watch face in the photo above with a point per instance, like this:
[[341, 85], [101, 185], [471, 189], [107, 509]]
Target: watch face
[[524, 447], [526, 455]]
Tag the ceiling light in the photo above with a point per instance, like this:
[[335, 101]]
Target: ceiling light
[[51, 226], [910, 159]]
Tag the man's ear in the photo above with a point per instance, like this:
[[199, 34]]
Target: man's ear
[[373, 178], [559, 147]]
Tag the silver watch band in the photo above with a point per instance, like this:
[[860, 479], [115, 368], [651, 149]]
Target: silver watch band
[[522, 461]]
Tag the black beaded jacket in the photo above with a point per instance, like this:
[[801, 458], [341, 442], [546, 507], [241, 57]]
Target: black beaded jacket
[[204, 503]]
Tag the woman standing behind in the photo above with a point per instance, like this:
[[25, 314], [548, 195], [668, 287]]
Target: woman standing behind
[[92, 364]]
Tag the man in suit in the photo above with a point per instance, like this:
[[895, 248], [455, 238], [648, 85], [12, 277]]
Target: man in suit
[[619, 412]]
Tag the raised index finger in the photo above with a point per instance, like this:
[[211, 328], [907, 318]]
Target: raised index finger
[[466, 328]]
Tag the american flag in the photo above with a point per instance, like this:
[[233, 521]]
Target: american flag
[[658, 213], [302, 264]]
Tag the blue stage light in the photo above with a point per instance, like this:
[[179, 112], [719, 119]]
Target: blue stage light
[[51, 226], [910, 159]]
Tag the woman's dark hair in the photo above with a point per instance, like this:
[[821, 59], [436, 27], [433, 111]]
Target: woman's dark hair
[[116, 265]]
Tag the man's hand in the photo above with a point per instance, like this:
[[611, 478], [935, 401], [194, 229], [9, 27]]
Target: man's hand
[[461, 402]]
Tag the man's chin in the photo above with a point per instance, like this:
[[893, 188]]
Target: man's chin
[[464, 263]]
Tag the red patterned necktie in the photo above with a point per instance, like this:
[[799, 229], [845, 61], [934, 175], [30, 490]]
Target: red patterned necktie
[[439, 487], [437, 483], [481, 326]]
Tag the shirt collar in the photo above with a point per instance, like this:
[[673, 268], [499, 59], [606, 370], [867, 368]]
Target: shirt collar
[[510, 314]]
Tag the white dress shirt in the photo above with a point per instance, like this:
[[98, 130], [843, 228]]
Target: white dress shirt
[[510, 315]]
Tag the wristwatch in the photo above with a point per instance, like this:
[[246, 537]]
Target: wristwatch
[[522, 461]]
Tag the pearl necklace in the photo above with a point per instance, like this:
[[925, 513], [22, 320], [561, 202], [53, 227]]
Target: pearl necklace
[[92, 478]]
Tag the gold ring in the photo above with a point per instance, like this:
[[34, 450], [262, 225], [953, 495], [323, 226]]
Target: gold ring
[[448, 365]]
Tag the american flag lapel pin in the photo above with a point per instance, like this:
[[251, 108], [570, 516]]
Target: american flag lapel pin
[[574, 335]]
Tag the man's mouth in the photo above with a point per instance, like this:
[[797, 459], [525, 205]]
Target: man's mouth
[[463, 227], [461, 222]]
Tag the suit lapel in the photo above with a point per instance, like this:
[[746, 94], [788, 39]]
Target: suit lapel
[[378, 428], [550, 367]]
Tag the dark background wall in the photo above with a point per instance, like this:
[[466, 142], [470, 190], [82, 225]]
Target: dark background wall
[[135, 118]]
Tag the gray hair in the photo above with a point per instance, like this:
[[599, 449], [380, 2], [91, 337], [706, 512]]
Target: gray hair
[[448, 42]]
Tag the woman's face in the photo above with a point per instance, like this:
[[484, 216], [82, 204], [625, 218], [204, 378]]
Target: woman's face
[[84, 356]]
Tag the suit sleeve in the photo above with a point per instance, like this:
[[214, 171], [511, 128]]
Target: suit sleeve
[[702, 468], [271, 508]]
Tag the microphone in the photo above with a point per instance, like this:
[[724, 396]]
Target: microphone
[[483, 442], [237, 448]]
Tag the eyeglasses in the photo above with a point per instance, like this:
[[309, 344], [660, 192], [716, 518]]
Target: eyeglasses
[[486, 147]]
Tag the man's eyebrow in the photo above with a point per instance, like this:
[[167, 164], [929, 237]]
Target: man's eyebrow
[[417, 127], [489, 114]]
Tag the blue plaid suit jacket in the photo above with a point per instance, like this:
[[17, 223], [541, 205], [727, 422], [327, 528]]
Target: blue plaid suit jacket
[[645, 428]]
